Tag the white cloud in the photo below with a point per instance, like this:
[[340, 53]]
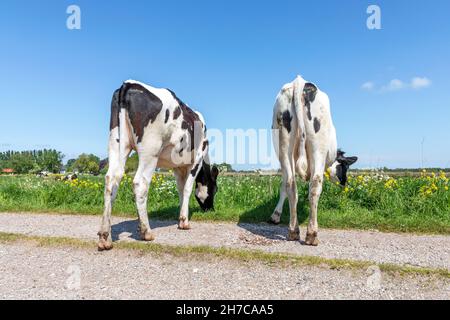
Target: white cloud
[[415, 83], [394, 85], [419, 83], [369, 86]]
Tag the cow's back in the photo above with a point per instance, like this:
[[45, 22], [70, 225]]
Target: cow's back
[[318, 126]]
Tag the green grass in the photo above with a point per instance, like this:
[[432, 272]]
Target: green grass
[[410, 204], [279, 260]]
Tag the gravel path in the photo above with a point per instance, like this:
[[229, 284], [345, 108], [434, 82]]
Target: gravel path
[[402, 249], [31, 272]]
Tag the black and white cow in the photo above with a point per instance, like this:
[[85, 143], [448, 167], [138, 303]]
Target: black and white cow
[[305, 140], [165, 133]]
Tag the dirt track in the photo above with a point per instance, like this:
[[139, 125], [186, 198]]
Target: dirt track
[[32, 272], [29, 272], [403, 249]]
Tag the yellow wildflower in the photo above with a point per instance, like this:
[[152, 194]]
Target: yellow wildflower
[[327, 174]]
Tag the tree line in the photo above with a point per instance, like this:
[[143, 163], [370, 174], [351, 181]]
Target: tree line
[[31, 161], [50, 160]]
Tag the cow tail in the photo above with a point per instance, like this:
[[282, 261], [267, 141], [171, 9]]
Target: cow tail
[[119, 139], [301, 165], [114, 131], [298, 105]]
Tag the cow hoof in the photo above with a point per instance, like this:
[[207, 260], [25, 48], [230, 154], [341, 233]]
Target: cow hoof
[[271, 221], [104, 242], [275, 218], [184, 226], [104, 245], [312, 239], [293, 235], [147, 236]]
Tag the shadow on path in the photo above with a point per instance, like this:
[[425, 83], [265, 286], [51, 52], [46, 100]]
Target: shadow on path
[[131, 227], [257, 219]]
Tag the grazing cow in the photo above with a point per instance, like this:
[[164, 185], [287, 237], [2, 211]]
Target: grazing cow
[[305, 139], [70, 177], [165, 133]]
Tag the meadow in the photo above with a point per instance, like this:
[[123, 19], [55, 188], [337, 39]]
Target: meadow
[[371, 201]]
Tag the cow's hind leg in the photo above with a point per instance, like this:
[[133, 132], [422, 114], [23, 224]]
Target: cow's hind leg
[[315, 190], [113, 177], [291, 188], [288, 170], [141, 184]]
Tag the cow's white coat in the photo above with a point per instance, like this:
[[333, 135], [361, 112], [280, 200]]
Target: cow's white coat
[[160, 147], [303, 151]]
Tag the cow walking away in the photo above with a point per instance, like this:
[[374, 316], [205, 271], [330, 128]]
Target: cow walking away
[[305, 140], [165, 133]]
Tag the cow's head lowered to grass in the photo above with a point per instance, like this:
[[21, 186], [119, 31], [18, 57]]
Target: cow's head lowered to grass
[[206, 186], [338, 171]]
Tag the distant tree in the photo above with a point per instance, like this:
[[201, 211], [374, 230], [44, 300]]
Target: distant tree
[[32, 161], [225, 167], [86, 163], [130, 166], [132, 163], [22, 162], [69, 164], [49, 160]]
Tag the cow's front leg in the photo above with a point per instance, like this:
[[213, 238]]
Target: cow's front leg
[[141, 184], [183, 223], [276, 215], [294, 229], [181, 175]]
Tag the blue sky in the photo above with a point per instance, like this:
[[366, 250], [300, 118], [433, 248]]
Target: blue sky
[[228, 59]]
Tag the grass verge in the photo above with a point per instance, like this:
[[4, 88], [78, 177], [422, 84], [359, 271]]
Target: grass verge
[[202, 252], [419, 205]]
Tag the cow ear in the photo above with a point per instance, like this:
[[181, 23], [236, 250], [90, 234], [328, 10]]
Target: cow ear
[[214, 172], [351, 160]]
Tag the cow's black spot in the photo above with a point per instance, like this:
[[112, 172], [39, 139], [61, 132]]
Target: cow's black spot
[[309, 95], [194, 171], [176, 113], [183, 145], [287, 118], [308, 105], [303, 135], [189, 118], [316, 125], [142, 105], [117, 140], [205, 144], [115, 108], [167, 115]]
